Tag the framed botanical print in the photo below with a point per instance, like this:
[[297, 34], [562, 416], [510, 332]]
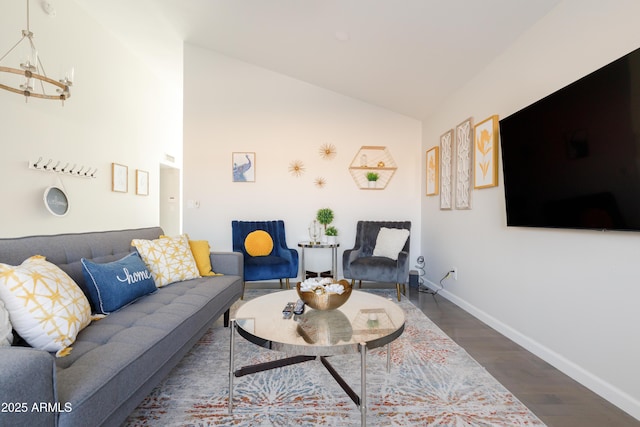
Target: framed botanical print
[[119, 178], [432, 171], [486, 153], [142, 182]]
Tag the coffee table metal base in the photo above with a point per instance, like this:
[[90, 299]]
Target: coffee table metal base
[[360, 401]]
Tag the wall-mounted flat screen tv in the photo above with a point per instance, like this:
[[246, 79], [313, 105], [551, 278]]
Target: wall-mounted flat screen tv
[[572, 159]]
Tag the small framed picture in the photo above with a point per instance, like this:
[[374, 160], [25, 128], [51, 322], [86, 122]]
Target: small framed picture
[[119, 178], [486, 153], [244, 167], [432, 171], [142, 182]]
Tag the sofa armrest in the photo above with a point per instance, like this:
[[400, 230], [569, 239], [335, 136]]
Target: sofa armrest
[[27, 388], [227, 263]]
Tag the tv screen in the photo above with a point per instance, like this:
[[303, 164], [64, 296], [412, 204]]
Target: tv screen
[[572, 159]]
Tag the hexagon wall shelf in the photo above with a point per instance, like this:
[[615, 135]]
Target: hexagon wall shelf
[[372, 159]]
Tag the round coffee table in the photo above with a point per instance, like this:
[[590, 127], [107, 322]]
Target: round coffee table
[[366, 321]]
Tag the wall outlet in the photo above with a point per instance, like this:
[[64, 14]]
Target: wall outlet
[[455, 273]]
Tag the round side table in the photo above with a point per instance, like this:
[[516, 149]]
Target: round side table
[[319, 245]]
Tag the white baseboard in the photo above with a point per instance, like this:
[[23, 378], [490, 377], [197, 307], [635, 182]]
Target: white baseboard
[[594, 383]]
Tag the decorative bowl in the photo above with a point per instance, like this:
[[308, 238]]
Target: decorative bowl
[[325, 300]]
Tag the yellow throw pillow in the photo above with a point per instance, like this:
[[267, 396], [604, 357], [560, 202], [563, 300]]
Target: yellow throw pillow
[[169, 259], [200, 250], [46, 307], [258, 243]]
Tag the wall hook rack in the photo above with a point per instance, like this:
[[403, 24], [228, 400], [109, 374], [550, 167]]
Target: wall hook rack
[[68, 169]]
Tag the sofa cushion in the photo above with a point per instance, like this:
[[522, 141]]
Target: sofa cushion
[[6, 336], [169, 259], [258, 243], [115, 284], [46, 307], [390, 242]]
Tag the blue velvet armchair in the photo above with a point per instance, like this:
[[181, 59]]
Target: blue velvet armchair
[[360, 263], [281, 263]]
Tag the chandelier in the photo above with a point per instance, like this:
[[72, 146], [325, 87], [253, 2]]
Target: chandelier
[[32, 80]]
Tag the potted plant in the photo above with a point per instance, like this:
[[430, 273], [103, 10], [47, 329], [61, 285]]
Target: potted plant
[[372, 177], [332, 234], [324, 217]]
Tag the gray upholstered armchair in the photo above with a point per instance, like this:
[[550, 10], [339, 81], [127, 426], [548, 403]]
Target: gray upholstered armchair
[[380, 254]]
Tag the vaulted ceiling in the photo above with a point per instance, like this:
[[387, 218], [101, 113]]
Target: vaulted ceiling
[[403, 55]]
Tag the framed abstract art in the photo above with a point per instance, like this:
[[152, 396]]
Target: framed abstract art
[[464, 163], [446, 170]]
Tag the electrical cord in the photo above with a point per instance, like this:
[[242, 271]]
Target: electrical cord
[[428, 290]]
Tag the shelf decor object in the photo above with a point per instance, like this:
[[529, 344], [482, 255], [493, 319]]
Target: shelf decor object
[[376, 159], [119, 178], [30, 79], [372, 179], [432, 171], [464, 163], [446, 170], [142, 182], [486, 153]]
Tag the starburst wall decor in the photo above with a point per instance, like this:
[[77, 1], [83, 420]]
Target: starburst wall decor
[[320, 182], [296, 168], [328, 151]]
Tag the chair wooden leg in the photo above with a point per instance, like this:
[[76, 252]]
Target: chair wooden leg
[[353, 283], [398, 290], [359, 283], [280, 283], [288, 283], [242, 294]]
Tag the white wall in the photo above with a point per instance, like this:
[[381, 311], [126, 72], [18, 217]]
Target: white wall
[[234, 106], [119, 111], [568, 296]]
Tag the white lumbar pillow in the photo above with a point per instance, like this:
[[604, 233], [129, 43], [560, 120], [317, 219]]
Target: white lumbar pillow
[[390, 242], [6, 336]]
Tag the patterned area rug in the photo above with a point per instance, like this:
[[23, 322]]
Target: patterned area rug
[[433, 382]]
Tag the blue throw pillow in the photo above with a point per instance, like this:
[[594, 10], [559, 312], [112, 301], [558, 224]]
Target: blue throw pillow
[[115, 284]]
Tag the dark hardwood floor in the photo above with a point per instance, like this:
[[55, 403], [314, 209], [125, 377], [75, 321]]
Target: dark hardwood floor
[[555, 398]]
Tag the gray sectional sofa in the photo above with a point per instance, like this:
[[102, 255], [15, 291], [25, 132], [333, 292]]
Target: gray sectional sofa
[[118, 360]]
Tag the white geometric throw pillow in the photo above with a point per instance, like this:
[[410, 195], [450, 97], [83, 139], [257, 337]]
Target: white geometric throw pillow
[[390, 242], [169, 259], [46, 307]]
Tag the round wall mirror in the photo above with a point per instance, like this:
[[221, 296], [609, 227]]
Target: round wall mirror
[[56, 201]]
